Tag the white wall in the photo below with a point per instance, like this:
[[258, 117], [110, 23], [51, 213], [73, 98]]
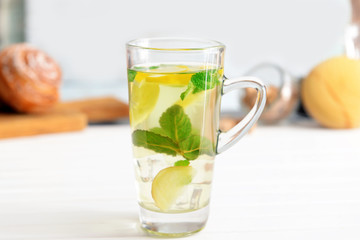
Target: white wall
[[87, 36]]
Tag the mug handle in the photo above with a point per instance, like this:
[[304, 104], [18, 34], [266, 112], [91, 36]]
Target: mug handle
[[227, 139]]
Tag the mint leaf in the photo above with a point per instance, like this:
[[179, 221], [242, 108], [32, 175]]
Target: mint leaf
[[154, 67], [189, 89], [160, 131], [194, 146], [131, 75], [175, 136], [202, 81], [175, 123], [182, 163], [155, 142], [190, 148], [205, 80]]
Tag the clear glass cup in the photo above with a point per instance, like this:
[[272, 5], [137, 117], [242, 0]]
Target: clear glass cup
[[175, 89]]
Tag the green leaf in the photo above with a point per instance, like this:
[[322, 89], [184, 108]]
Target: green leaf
[[194, 146], [155, 142], [182, 163], [154, 67], [202, 81], [189, 89], [175, 136], [205, 80], [190, 147], [131, 75], [175, 123], [159, 130]]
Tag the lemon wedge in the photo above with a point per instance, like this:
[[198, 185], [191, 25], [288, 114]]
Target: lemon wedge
[[169, 183], [144, 96]]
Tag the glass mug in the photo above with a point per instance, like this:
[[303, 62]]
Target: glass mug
[[175, 89]]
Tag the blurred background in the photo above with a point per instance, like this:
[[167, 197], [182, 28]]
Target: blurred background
[[88, 38]]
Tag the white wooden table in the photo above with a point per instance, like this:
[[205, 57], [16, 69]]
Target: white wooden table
[[287, 182]]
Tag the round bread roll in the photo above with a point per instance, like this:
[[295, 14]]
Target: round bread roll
[[29, 79]]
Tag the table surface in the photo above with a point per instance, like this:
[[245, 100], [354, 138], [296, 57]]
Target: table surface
[[285, 182]]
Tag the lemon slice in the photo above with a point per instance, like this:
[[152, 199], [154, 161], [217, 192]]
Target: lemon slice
[[170, 79], [169, 183], [144, 96], [140, 76], [167, 75]]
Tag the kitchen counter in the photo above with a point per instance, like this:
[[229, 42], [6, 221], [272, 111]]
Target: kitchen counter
[[285, 182]]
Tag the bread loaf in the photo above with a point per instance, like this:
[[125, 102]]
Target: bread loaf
[[29, 79]]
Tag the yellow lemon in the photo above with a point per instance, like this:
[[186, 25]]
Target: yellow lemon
[[141, 76], [144, 96], [331, 93], [169, 183], [168, 75], [170, 79]]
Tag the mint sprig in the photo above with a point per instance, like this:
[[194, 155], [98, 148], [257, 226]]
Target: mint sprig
[[174, 137], [202, 81]]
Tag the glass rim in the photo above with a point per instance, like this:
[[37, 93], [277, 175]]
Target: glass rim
[[141, 43]]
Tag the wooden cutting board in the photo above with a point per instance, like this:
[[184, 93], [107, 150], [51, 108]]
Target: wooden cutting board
[[97, 110], [18, 125], [64, 117]]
